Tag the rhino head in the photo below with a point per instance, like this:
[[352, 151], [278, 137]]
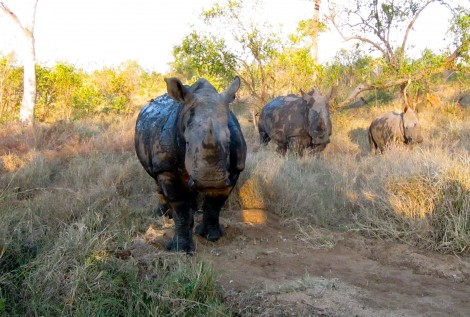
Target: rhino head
[[203, 125], [411, 126], [319, 123]]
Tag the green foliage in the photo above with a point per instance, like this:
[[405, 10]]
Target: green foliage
[[56, 89], [65, 92], [350, 68], [306, 29], [204, 56], [460, 28], [253, 44], [294, 69], [11, 88]]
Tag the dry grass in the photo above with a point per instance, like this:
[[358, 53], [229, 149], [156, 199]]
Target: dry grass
[[73, 196], [418, 195]]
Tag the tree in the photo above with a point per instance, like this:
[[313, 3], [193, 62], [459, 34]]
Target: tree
[[374, 23], [29, 61], [267, 63], [460, 28], [205, 56], [255, 43]]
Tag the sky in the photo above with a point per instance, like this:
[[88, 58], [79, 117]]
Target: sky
[[96, 33]]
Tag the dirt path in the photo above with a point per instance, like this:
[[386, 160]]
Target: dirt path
[[279, 269]]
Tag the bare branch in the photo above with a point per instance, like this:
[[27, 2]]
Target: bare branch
[[366, 40], [4, 8], [412, 22], [386, 50], [405, 94], [448, 64]]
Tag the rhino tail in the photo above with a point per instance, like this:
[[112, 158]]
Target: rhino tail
[[373, 145]]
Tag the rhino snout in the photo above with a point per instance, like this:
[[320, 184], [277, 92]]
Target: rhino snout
[[410, 139], [201, 183]]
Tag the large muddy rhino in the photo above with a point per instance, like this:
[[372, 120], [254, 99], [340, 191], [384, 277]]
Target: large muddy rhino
[[190, 142], [296, 123], [394, 127]]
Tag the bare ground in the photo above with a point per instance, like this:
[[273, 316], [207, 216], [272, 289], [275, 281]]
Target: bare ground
[[273, 268]]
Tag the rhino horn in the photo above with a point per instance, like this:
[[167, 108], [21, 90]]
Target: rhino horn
[[209, 138], [321, 124]]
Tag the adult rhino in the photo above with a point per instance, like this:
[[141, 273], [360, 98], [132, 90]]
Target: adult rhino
[[296, 123], [190, 142], [394, 127]]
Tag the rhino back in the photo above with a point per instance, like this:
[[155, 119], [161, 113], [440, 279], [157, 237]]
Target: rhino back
[[156, 135], [284, 117], [387, 128]]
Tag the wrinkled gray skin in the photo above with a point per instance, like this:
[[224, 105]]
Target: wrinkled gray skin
[[190, 142], [393, 127], [296, 123]]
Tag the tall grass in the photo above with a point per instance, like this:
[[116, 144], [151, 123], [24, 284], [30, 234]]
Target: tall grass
[[418, 195], [73, 203], [74, 200]]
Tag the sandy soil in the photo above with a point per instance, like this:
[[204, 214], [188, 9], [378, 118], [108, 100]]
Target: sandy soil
[[272, 268]]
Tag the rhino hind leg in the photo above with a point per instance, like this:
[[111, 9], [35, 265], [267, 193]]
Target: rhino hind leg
[[210, 227], [163, 208], [372, 144]]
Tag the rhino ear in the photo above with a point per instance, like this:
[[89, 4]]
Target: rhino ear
[[229, 93], [177, 90], [308, 97]]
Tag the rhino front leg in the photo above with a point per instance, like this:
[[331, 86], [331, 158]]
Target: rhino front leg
[[210, 227], [264, 138], [180, 202], [184, 222], [298, 144], [281, 148]]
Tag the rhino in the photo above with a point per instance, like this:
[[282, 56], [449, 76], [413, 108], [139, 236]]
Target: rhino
[[394, 127], [191, 143], [296, 123]]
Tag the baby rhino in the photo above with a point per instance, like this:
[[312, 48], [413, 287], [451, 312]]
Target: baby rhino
[[393, 127]]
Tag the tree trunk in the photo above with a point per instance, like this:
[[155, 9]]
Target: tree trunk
[[29, 61], [29, 80], [316, 25]]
